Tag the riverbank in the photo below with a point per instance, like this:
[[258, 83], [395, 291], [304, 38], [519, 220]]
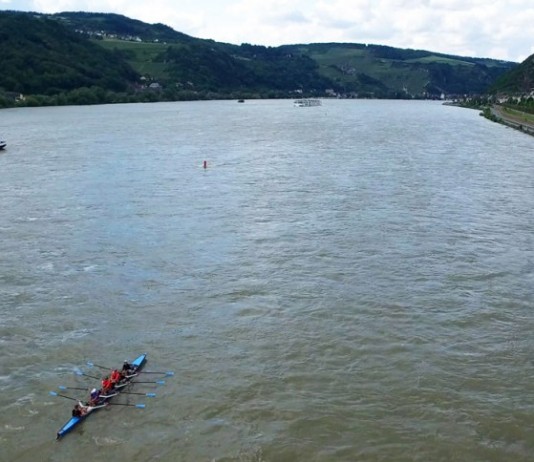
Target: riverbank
[[513, 118]]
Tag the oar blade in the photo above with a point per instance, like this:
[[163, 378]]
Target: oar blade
[[157, 382], [91, 364], [151, 395], [139, 406], [53, 393], [63, 387], [166, 373], [82, 374]]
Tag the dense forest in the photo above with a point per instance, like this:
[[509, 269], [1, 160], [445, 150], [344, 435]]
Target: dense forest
[[90, 58], [46, 61]]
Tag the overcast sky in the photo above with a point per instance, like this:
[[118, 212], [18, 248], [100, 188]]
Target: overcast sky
[[500, 29]]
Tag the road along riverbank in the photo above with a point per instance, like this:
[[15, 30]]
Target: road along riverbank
[[513, 118]]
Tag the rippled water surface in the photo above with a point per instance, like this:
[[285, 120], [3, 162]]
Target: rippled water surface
[[350, 282]]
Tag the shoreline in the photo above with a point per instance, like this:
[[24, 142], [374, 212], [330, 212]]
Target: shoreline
[[497, 113]]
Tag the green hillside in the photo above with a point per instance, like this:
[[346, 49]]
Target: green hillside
[[359, 68], [94, 57], [41, 57], [519, 80]]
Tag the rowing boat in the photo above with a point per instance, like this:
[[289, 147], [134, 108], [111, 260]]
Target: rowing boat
[[74, 421]]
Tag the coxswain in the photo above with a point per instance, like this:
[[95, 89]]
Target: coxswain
[[127, 368], [107, 385]]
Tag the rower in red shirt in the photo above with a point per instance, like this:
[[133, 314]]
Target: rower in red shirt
[[115, 377], [107, 385]]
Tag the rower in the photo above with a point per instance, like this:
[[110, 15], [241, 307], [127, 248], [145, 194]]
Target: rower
[[115, 377], [94, 397], [80, 410], [107, 385]]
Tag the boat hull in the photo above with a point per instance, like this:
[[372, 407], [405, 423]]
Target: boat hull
[[73, 422]]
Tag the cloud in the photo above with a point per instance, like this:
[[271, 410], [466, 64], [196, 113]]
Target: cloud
[[294, 17], [472, 27]]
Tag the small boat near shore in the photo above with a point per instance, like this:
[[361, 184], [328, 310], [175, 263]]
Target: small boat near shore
[[74, 421], [307, 102]]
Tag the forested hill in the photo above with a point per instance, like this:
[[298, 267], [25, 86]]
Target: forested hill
[[84, 58], [519, 80], [42, 57]]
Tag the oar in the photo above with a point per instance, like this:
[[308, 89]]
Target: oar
[[53, 393], [63, 387], [140, 406], [167, 374], [159, 382], [86, 375], [150, 395], [90, 364]]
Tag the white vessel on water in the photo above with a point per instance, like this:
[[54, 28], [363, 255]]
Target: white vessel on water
[[307, 102]]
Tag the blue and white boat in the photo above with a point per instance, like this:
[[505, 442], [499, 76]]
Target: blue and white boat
[[74, 421]]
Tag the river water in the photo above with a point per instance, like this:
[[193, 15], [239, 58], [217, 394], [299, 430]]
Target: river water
[[350, 282]]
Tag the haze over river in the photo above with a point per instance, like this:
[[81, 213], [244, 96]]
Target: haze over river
[[350, 282]]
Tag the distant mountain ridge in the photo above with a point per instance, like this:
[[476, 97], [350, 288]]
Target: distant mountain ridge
[[101, 57]]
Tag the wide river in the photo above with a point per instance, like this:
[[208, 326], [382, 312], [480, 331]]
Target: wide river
[[350, 282]]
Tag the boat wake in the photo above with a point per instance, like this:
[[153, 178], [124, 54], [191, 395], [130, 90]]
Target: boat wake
[[13, 428], [107, 441]]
